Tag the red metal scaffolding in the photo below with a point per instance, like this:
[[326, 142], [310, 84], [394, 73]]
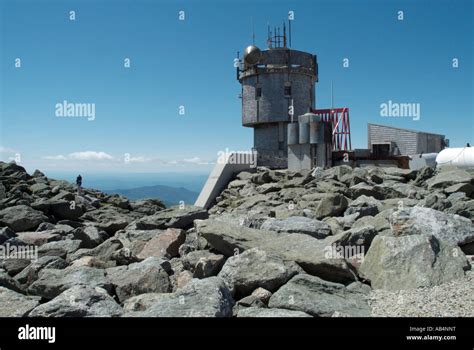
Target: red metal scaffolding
[[341, 127]]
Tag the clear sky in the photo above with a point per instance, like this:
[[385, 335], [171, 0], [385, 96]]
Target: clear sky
[[190, 63]]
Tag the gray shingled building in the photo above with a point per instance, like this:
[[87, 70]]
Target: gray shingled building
[[386, 140]]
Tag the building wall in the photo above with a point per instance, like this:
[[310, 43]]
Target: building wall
[[406, 141], [270, 141], [272, 105], [429, 143]]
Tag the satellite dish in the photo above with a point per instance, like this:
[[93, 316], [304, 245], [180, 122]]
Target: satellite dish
[[252, 55]]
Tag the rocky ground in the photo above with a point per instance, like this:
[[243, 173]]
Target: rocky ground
[[334, 243]]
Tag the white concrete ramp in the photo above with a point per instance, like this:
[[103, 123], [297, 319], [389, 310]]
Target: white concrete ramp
[[220, 176]]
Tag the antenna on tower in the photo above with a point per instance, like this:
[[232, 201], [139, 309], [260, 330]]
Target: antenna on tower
[[253, 30], [289, 30], [269, 43], [284, 34]]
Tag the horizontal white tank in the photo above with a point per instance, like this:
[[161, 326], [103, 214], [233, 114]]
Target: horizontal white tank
[[460, 157]]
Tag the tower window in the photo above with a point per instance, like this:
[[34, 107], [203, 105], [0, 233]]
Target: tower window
[[287, 90], [258, 92]]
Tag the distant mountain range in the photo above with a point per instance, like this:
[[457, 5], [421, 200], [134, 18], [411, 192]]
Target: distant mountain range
[[169, 195]]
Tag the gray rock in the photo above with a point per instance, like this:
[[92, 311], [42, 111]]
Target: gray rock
[[255, 268], [90, 236], [103, 251], [139, 278], [449, 177], [60, 248], [357, 238], [52, 282], [13, 304], [30, 273], [203, 263], [364, 206], [363, 189], [127, 237], [14, 266], [207, 297], [6, 233], [174, 217], [38, 238], [147, 206], [424, 174], [298, 224], [65, 209], [39, 187], [380, 222], [8, 282], [331, 205], [21, 218], [140, 302], [466, 188], [262, 312], [453, 229], [317, 297], [79, 301], [306, 251], [165, 244], [462, 208], [407, 262]]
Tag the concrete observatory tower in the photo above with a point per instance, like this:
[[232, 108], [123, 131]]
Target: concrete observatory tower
[[278, 84]]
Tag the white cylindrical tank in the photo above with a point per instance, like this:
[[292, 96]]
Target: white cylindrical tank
[[460, 157]]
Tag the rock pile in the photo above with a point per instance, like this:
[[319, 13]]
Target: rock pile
[[275, 244]]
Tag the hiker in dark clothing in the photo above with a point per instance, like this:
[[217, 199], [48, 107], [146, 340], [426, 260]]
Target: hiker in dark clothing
[[79, 183]]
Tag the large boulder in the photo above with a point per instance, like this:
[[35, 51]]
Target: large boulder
[[13, 304], [30, 273], [203, 263], [364, 206], [90, 236], [22, 218], [357, 238], [103, 251], [449, 176], [65, 209], [317, 297], [413, 261], [164, 245], [451, 228], [208, 297], [61, 248], [175, 217], [147, 276], [331, 205], [306, 251], [298, 224], [255, 268], [79, 301], [52, 282]]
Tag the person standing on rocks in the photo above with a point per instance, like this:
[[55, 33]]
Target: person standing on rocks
[[79, 184]]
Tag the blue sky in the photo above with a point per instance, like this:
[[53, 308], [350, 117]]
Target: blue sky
[[190, 63]]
